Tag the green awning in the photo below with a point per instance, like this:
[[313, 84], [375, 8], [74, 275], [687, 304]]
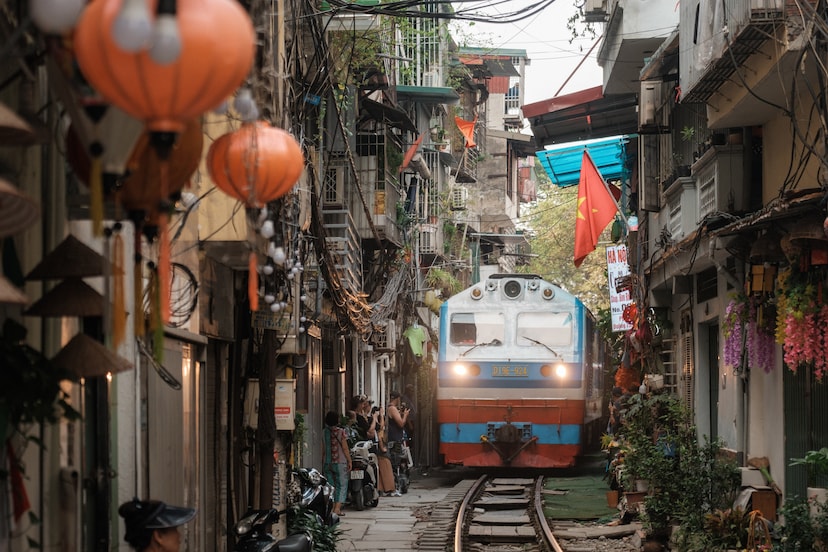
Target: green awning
[[436, 94]]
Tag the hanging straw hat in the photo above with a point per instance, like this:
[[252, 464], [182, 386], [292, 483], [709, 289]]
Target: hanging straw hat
[[10, 294], [85, 357], [14, 130], [70, 259], [71, 297], [17, 210]]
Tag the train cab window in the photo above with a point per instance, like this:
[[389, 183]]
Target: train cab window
[[550, 328], [473, 328]]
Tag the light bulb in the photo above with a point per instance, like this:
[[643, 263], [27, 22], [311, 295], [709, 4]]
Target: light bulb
[[301, 329], [267, 230], [55, 16], [294, 271], [221, 108], [267, 270], [276, 307], [269, 298], [289, 275], [132, 28], [303, 298], [279, 256], [303, 319], [244, 104], [166, 40]]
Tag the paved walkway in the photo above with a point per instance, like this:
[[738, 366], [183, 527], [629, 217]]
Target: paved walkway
[[391, 526]]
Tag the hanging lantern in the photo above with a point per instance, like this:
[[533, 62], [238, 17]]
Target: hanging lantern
[[166, 96], [256, 164], [136, 188]]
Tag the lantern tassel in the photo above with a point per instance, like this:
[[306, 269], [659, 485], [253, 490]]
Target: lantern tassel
[[118, 307], [156, 324], [253, 282], [138, 293], [164, 270], [96, 195]]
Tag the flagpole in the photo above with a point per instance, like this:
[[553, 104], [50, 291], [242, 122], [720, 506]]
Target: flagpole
[[607, 188]]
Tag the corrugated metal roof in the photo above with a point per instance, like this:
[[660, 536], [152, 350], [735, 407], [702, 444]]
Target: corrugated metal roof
[[563, 163]]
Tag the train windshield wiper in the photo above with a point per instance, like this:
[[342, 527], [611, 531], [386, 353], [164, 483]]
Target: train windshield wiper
[[551, 350], [494, 341]]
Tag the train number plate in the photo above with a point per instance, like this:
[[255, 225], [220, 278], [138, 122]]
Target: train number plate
[[357, 474], [512, 371]]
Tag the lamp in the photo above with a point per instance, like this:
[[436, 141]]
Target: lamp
[[132, 27], [166, 40], [55, 16]]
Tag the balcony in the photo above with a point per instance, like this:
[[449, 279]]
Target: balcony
[[720, 60], [344, 246]]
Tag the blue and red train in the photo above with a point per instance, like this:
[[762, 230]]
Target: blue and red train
[[520, 375]]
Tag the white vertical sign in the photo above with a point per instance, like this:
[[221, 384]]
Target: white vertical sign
[[617, 268]]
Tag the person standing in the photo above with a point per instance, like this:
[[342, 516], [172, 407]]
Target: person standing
[[397, 418], [407, 400], [337, 467], [385, 485], [366, 419], [152, 525]]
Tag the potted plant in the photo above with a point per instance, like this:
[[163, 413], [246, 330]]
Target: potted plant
[[816, 467]]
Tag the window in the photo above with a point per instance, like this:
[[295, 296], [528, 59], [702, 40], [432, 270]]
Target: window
[[553, 329], [473, 328]]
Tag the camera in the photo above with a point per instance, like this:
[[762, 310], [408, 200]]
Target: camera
[[375, 409]]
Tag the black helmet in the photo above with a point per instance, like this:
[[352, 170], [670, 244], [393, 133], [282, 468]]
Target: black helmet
[[142, 516]]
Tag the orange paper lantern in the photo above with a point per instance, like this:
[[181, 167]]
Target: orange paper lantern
[[139, 189], [217, 50], [256, 164]]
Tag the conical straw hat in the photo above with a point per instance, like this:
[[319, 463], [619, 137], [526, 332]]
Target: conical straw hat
[[71, 297], [11, 294], [70, 259], [17, 210], [14, 130], [85, 357]]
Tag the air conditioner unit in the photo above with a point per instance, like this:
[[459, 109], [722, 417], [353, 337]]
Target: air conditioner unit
[[428, 239], [648, 103], [432, 79], [595, 10], [459, 198], [386, 340]]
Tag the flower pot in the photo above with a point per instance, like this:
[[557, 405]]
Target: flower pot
[[612, 499], [816, 496], [634, 497]]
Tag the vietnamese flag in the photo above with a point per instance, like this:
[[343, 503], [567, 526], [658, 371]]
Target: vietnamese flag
[[467, 129], [596, 208]]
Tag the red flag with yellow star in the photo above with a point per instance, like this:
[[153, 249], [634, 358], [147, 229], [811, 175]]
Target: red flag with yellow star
[[596, 208]]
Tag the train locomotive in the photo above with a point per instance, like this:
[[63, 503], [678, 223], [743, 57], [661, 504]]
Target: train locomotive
[[520, 375]]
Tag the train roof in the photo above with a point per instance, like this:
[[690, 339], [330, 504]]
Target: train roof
[[494, 281]]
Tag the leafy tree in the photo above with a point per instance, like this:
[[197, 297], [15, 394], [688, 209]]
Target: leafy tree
[[551, 232]]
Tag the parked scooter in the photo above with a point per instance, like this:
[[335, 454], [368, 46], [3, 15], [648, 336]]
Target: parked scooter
[[364, 475], [252, 535], [315, 494]]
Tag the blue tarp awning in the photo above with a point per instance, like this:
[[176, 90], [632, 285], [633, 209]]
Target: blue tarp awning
[[563, 163]]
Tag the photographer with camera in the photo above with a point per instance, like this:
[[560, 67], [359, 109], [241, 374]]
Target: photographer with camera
[[397, 418], [366, 417]]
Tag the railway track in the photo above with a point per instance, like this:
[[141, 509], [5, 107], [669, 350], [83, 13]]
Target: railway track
[[503, 515]]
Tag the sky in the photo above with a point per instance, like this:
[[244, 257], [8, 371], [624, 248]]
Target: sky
[[546, 40]]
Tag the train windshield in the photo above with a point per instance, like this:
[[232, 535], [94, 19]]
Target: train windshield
[[550, 328], [473, 328]]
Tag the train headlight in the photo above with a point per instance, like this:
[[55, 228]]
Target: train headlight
[[512, 289], [548, 293], [476, 293], [557, 370], [464, 370]]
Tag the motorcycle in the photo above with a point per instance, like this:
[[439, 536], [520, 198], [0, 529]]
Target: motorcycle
[[252, 536], [364, 475], [313, 493]]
